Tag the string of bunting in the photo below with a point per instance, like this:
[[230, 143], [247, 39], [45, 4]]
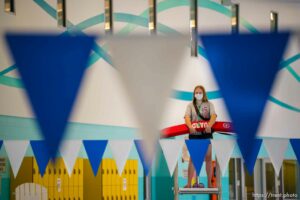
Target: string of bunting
[[16, 150]]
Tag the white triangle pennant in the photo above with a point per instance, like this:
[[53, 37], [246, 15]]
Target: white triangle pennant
[[69, 150], [224, 149], [16, 150], [120, 150], [148, 65], [171, 150], [276, 149]]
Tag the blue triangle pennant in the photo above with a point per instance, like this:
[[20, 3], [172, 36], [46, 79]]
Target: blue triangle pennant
[[51, 68], [245, 66], [95, 150], [296, 147], [1, 142], [41, 154], [197, 150], [250, 154], [147, 163]]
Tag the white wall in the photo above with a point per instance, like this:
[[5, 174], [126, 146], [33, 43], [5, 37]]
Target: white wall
[[103, 100]]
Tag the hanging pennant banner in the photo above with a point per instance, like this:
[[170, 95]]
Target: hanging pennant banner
[[296, 147], [41, 154], [69, 150], [276, 149], [1, 142], [51, 68], [197, 150], [120, 150], [15, 150], [145, 158], [94, 150], [251, 155], [223, 149], [245, 66], [148, 65], [171, 150]]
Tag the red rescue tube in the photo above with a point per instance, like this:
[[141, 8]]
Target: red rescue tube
[[222, 127]]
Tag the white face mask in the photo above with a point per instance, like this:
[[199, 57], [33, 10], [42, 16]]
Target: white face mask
[[199, 96]]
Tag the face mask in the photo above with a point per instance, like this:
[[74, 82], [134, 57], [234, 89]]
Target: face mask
[[199, 96]]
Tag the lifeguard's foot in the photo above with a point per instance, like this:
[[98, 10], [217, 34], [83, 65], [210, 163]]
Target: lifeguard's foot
[[198, 185], [187, 186]]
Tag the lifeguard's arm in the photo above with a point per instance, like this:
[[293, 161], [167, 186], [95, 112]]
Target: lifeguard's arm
[[212, 120], [189, 124], [188, 121], [213, 115]]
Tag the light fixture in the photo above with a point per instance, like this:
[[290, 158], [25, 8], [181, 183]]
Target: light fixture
[[235, 18], [61, 13], [9, 6], [274, 21], [108, 10], [152, 17], [194, 27]]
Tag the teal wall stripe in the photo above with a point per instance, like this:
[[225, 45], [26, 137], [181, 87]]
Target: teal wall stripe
[[284, 105], [19, 128], [188, 96], [12, 82], [43, 4], [289, 61], [293, 73], [11, 68]]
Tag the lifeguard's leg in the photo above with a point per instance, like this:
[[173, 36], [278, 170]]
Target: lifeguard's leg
[[208, 165], [191, 171]]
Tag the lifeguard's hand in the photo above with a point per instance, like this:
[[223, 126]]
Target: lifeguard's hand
[[208, 129], [192, 130]]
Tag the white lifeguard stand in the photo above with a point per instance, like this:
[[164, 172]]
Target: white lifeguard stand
[[188, 191]]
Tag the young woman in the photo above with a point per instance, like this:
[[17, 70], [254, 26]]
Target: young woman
[[200, 109]]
